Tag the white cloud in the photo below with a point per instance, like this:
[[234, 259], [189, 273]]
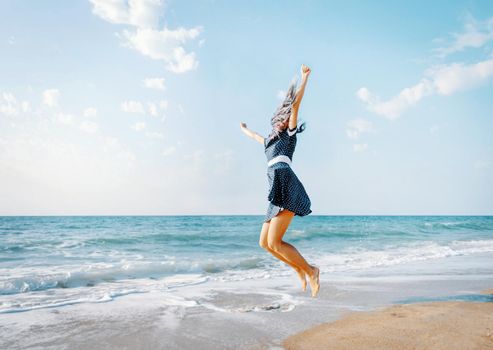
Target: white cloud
[[360, 147], [90, 112], [89, 126], [139, 13], [445, 79], [9, 97], [449, 79], [358, 126], [155, 83], [139, 126], [41, 158], [394, 107], [8, 104], [165, 45], [156, 109], [147, 37], [51, 97], [133, 107], [169, 150], [11, 106], [474, 35], [442, 80]]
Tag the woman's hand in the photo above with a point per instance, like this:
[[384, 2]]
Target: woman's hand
[[305, 71]]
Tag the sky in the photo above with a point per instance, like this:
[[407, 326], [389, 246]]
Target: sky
[[116, 107]]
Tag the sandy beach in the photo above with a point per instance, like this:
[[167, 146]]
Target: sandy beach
[[430, 325]]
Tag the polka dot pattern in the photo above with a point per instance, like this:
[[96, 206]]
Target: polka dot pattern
[[285, 189]]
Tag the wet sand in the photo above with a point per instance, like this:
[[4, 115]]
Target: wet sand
[[248, 315], [430, 325]]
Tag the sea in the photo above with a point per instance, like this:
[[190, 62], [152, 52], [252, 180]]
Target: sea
[[186, 269]]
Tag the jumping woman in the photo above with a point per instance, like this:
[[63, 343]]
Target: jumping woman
[[287, 196]]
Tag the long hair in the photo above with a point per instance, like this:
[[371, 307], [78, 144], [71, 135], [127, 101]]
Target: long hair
[[280, 119]]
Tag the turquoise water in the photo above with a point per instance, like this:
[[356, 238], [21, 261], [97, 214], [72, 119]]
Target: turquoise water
[[482, 298], [54, 261]]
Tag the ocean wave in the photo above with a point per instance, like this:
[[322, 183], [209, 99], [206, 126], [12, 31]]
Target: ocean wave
[[29, 304], [357, 259], [477, 225], [343, 233], [103, 293], [38, 287], [22, 280], [36, 278]]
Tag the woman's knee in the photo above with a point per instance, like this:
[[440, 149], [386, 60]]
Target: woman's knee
[[263, 235], [274, 245], [263, 243]]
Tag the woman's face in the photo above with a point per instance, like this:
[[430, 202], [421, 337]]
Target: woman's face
[[284, 125], [281, 125]]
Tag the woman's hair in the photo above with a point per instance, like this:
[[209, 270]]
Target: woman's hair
[[280, 119]]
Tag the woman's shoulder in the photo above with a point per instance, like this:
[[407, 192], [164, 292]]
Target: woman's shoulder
[[292, 132]]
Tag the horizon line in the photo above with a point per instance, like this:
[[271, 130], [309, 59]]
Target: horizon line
[[165, 215]]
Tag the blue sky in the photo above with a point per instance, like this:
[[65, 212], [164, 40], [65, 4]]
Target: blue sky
[[133, 107]]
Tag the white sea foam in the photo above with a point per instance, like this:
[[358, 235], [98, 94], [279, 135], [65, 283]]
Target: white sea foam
[[359, 259], [297, 233], [102, 292], [27, 288], [241, 302], [35, 278], [32, 303]]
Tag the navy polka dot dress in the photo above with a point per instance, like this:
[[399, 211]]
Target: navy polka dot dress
[[285, 189]]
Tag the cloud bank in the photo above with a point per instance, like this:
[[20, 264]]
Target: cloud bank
[[445, 79], [146, 36]]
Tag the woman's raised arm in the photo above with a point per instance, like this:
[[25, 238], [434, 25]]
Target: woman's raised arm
[[293, 119], [251, 133]]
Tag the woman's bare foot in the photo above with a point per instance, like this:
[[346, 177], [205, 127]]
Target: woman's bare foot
[[315, 281], [302, 276]]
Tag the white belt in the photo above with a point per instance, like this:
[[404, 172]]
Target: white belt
[[281, 158]]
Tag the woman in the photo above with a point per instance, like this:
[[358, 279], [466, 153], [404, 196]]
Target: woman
[[287, 196]]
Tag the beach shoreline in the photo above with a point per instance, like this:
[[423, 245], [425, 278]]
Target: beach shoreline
[[188, 283], [424, 325]]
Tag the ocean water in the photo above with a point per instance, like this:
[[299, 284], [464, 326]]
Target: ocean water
[[52, 262]]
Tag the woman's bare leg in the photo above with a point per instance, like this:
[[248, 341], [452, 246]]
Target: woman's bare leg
[[263, 243], [277, 229]]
